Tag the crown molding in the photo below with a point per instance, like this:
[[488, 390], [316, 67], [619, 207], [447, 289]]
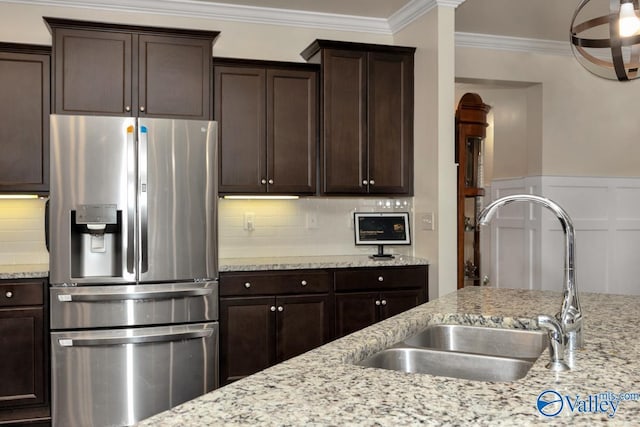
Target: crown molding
[[226, 12], [258, 15], [415, 9], [515, 44]]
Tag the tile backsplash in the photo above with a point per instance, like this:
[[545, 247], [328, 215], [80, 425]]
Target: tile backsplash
[[22, 232], [302, 227]]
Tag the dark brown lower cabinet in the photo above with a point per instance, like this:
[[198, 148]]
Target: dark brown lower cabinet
[[364, 296], [24, 395], [257, 332], [357, 310], [267, 317]]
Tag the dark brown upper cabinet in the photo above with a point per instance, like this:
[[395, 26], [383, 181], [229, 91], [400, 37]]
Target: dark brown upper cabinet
[[121, 70], [366, 144], [268, 126], [24, 118]]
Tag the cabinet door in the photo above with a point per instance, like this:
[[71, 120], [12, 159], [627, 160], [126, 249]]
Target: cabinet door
[[22, 356], [292, 127], [355, 311], [344, 140], [395, 302], [174, 77], [92, 72], [302, 324], [247, 336], [239, 108], [390, 122], [24, 122]]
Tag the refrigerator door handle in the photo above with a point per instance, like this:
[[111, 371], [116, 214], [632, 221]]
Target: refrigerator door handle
[[151, 295], [142, 197], [131, 199], [143, 339]]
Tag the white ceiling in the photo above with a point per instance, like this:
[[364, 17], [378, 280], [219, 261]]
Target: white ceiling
[[529, 19], [368, 8], [535, 19]]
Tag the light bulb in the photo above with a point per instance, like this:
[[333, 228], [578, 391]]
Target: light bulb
[[629, 22]]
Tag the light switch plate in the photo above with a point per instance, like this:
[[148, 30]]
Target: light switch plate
[[427, 221], [249, 221]]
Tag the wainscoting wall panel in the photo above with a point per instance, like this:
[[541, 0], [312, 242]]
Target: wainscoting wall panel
[[527, 241]]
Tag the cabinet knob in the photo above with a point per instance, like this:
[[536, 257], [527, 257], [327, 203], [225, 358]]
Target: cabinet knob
[[365, 182], [142, 108], [263, 181], [383, 302], [8, 294], [127, 108], [371, 182], [247, 285], [272, 308], [303, 283], [270, 181], [380, 279], [377, 302], [280, 308]]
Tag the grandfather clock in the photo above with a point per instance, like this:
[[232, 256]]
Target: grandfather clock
[[471, 125]]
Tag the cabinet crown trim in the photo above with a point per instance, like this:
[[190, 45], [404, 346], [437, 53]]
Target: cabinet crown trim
[[90, 25], [318, 44]]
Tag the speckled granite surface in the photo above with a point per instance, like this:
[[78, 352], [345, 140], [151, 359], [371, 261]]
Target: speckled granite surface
[[323, 387], [23, 271], [303, 262]]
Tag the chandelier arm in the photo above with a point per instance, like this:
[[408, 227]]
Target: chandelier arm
[[614, 36]]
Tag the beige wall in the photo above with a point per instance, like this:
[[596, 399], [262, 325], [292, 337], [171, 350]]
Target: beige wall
[[435, 171], [588, 124], [514, 135]]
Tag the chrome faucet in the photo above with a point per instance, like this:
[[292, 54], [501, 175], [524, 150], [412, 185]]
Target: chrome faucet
[[570, 315]]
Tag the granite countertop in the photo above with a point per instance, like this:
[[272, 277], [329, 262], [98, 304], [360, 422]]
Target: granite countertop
[[323, 387], [313, 262], [24, 271]]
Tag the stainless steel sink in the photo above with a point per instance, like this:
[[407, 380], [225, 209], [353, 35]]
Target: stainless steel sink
[[517, 343], [449, 364], [468, 352]]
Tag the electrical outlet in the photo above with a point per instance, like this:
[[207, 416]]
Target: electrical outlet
[[312, 220], [249, 221], [427, 221]]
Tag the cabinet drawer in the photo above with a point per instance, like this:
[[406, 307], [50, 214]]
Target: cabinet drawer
[[380, 278], [274, 283], [21, 293]]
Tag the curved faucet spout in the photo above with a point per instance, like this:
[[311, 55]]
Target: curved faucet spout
[[570, 315]]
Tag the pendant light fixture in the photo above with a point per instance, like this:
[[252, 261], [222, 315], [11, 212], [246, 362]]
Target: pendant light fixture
[[607, 42]]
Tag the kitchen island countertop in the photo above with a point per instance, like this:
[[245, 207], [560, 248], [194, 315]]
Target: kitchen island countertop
[[324, 387], [314, 262]]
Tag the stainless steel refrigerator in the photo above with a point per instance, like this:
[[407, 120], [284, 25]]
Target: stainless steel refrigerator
[[133, 267]]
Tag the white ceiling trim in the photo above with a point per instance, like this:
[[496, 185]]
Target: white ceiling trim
[[516, 44], [415, 9], [258, 15], [227, 12]]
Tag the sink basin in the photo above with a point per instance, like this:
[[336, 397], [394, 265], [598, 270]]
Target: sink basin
[[449, 364], [467, 352], [518, 343]]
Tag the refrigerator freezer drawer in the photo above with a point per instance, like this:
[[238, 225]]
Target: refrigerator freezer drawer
[[133, 305], [119, 377]]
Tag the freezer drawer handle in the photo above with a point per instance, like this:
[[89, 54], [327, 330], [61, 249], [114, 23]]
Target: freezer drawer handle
[[136, 295], [93, 342]]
